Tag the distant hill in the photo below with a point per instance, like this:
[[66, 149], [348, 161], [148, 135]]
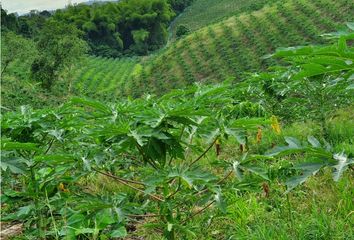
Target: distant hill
[[229, 48], [204, 12], [236, 45]]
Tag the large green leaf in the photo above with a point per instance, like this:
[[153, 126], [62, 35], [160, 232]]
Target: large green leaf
[[92, 104], [241, 167], [313, 141], [77, 220], [191, 177], [120, 232], [104, 218], [294, 146], [21, 214], [307, 170], [237, 170], [312, 68], [220, 202], [14, 164]]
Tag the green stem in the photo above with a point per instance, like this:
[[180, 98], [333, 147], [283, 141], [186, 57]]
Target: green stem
[[182, 131], [51, 215], [145, 157], [171, 235], [178, 188], [36, 204]]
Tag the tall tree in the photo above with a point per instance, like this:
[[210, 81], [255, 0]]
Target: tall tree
[[144, 23], [134, 26], [9, 21], [59, 47]]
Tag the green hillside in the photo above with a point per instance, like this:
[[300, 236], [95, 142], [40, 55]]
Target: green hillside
[[105, 77], [204, 12], [226, 49], [96, 77], [229, 48], [235, 46]]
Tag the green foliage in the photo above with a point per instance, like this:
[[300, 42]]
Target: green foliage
[[101, 78], [116, 27], [202, 13], [87, 137], [60, 47], [154, 146], [14, 47], [251, 215], [140, 37], [8, 21], [182, 30], [108, 27], [192, 163], [316, 157], [316, 74], [179, 5], [28, 25], [236, 46], [340, 126]]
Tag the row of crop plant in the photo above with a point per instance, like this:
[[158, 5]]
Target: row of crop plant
[[226, 49], [102, 77], [237, 45]]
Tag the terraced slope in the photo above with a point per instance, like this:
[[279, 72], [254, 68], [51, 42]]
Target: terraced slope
[[237, 44], [204, 12], [105, 77]]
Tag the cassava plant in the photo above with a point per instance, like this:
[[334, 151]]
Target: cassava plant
[[313, 157], [316, 74], [155, 150], [153, 146]]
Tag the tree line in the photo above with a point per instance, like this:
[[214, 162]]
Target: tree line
[[111, 29], [53, 41]]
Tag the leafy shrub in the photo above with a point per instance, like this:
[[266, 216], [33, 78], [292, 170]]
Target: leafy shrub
[[182, 30]]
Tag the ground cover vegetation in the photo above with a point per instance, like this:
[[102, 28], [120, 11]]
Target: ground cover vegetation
[[268, 157], [99, 77]]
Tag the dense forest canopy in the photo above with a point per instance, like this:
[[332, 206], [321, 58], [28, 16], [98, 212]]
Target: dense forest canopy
[[111, 29], [28, 25], [131, 26]]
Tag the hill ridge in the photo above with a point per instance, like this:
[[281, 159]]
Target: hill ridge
[[215, 47], [229, 48]]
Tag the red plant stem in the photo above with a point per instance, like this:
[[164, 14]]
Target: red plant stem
[[220, 181], [205, 152], [125, 182], [118, 178], [198, 212]]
